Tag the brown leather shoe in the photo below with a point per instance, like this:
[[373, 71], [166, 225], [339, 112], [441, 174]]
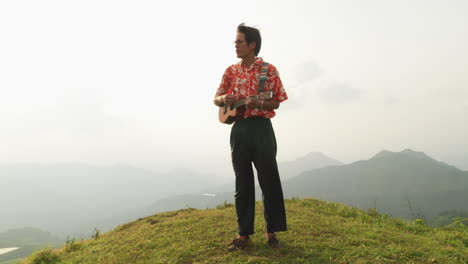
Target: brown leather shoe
[[273, 242], [238, 243]]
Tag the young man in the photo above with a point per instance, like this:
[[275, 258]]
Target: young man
[[252, 137]]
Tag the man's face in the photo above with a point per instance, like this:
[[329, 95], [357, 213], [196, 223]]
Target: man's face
[[242, 48]]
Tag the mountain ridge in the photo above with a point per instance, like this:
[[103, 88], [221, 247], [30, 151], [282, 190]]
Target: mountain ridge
[[390, 180], [407, 152]]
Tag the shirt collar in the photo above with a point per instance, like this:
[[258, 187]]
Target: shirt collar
[[258, 62]]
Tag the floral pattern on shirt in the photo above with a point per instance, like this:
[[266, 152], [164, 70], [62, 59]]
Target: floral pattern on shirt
[[242, 80]]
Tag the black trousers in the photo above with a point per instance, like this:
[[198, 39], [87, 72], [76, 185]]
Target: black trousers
[[253, 141]]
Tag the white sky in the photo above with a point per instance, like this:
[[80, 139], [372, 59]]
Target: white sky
[[105, 82]]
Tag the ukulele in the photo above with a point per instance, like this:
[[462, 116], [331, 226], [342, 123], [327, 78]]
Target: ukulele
[[227, 113]]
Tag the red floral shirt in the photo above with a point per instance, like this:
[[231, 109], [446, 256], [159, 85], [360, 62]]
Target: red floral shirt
[[242, 80]]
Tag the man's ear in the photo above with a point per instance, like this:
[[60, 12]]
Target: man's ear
[[253, 45]]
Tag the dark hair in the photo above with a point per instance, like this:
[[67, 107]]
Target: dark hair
[[251, 35]]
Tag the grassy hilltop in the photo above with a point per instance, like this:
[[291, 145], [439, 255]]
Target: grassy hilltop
[[319, 232]]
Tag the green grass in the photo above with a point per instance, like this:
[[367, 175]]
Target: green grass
[[319, 232], [458, 224]]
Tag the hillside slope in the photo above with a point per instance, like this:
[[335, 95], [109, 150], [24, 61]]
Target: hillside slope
[[27, 240], [319, 232]]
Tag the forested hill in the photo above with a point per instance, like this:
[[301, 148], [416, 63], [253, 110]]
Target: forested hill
[[405, 184]]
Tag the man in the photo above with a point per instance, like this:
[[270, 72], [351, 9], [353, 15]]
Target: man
[[252, 137]]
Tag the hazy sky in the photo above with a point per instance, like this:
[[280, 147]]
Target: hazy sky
[[105, 82]]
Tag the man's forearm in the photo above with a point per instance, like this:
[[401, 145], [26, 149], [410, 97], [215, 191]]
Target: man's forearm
[[270, 105]]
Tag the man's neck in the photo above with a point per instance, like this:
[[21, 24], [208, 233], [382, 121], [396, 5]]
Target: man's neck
[[249, 60]]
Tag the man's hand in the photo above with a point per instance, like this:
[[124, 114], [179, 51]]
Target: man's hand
[[226, 99], [229, 99], [252, 104], [267, 105]]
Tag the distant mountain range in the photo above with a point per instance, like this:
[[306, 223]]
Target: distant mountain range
[[74, 199], [65, 197], [406, 184], [311, 161], [287, 169], [225, 193]]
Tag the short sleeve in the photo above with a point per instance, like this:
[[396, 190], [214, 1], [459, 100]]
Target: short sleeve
[[226, 83], [276, 85]]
